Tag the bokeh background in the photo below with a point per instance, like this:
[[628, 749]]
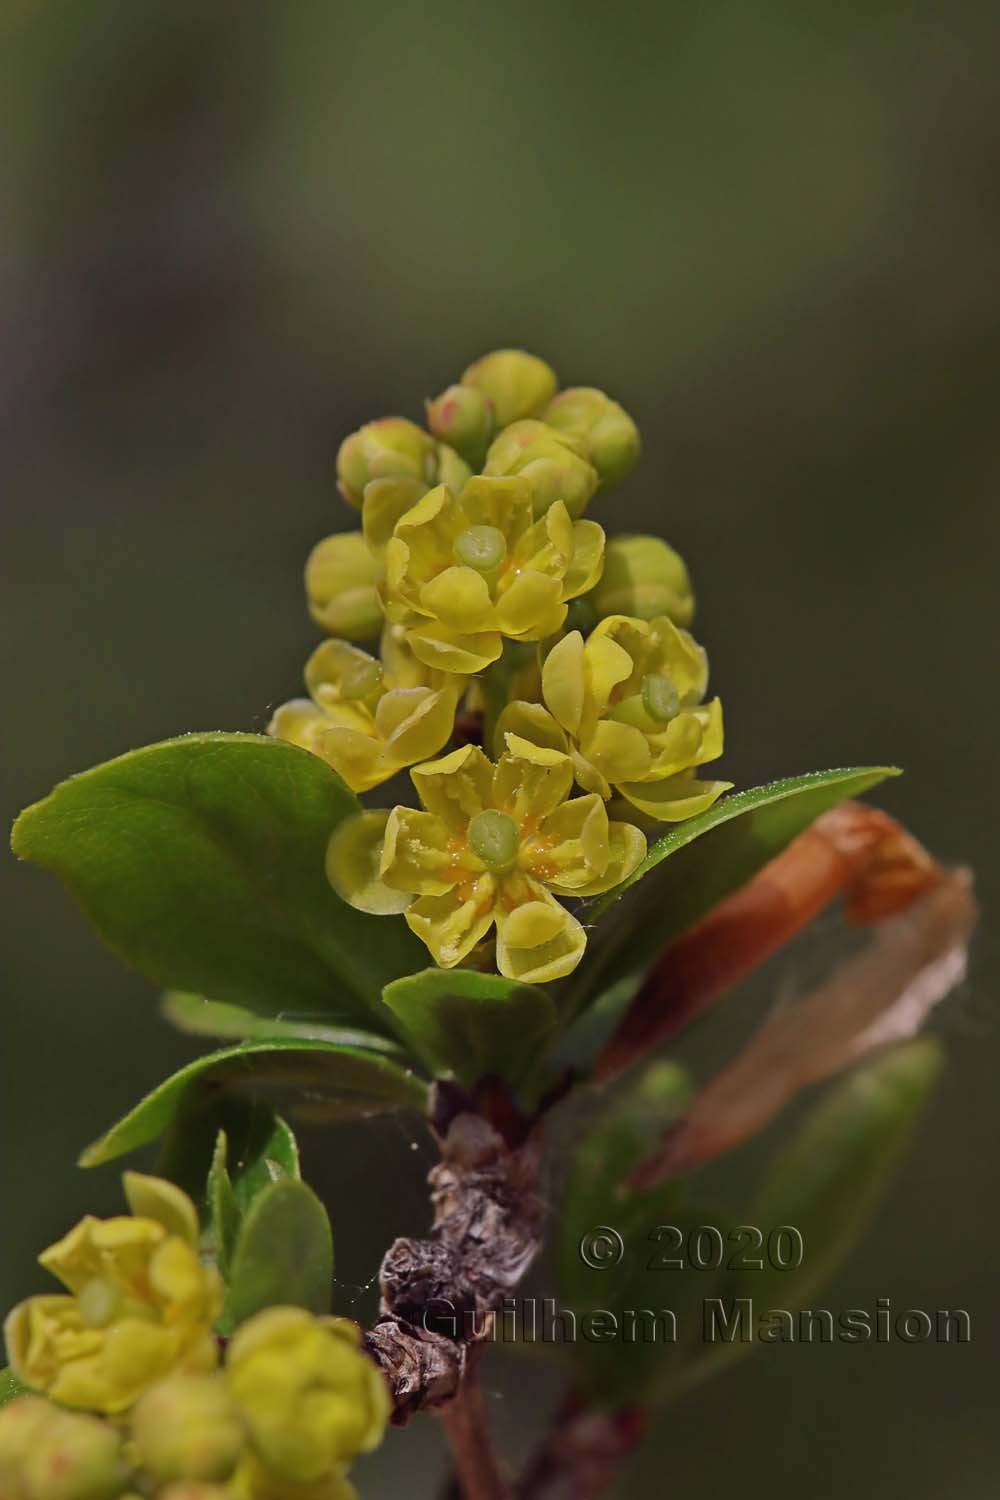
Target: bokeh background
[[231, 233]]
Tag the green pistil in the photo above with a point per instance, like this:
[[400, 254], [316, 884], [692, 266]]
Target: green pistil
[[481, 547], [495, 838]]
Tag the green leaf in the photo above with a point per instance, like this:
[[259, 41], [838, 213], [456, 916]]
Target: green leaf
[[825, 1184], [698, 863], [229, 1198], [466, 1025], [360, 1083], [283, 1254], [201, 862], [10, 1387], [829, 1180], [200, 1017]]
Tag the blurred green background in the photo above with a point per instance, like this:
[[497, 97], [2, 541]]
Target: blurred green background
[[232, 233]]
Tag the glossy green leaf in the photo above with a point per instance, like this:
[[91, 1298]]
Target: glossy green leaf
[[200, 1017], [201, 862], [10, 1387], [467, 1025], [354, 1082], [223, 1211], [698, 863], [283, 1254]]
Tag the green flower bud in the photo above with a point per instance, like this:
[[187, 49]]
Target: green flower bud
[[74, 1457], [644, 578], [549, 460], [463, 417], [193, 1490], [21, 1422], [390, 446], [188, 1428], [518, 384], [341, 585], [607, 430]]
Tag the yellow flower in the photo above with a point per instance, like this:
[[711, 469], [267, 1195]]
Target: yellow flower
[[626, 705], [310, 1398], [554, 464], [342, 580], [141, 1304], [463, 573], [368, 719], [496, 845]]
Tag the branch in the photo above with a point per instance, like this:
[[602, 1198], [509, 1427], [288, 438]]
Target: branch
[[478, 1474], [439, 1293], [583, 1454]]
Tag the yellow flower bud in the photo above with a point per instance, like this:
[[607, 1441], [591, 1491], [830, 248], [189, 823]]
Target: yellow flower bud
[[390, 446], [643, 577], [188, 1489], [463, 416], [21, 1424], [342, 578], [610, 436], [141, 1304], [518, 384], [311, 1399], [188, 1427], [550, 461], [73, 1458]]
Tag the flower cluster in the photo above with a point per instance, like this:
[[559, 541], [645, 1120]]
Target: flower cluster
[[504, 618], [129, 1395]]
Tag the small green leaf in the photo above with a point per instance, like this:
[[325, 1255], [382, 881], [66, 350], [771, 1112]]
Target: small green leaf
[[200, 1017], [10, 1387], [467, 1025], [358, 1083], [224, 1215], [283, 1254], [201, 862], [697, 864]]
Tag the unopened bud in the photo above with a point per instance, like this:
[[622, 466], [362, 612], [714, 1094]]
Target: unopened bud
[[463, 417], [645, 578], [390, 446], [549, 460], [452, 469], [518, 384], [74, 1458], [611, 437], [341, 586], [21, 1423], [188, 1428]]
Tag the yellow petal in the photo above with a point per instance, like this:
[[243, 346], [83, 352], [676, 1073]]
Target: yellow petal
[[355, 756], [386, 501], [531, 924], [341, 575], [531, 722], [570, 848], [587, 563], [444, 650], [420, 732], [429, 532], [618, 751], [500, 501], [588, 776], [338, 672], [451, 925], [353, 864], [606, 666], [456, 787], [531, 608], [563, 683], [156, 1198], [460, 599], [626, 850], [680, 658], [529, 781], [416, 854], [539, 962], [298, 722], [675, 799]]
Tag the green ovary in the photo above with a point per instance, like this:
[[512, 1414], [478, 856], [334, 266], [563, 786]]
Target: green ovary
[[495, 838], [481, 547]]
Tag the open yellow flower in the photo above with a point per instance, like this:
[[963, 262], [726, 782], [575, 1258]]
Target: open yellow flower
[[626, 704], [140, 1304], [463, 572], [495, 846], [368, 718]]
